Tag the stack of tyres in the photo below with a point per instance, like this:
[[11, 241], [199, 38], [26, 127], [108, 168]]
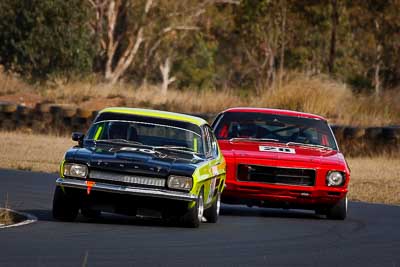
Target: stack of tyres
[[8, 120]]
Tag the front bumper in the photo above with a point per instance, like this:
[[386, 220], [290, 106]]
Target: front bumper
[[129, 190], [281, 195]]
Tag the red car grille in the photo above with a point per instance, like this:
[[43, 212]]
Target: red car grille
[[276, 175]]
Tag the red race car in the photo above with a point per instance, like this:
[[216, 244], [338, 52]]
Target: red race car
[[284, 159]]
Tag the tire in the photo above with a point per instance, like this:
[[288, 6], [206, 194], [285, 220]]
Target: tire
[[65, 207], [338, 211], [320, 212], [212, 213], [172, 216], [90, 214], [193, 216]]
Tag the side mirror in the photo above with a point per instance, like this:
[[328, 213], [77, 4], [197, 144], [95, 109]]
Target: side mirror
[[78, 137]]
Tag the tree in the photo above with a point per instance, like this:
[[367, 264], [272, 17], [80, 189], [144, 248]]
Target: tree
[[334, 26], [40, 38], [131, 25], [257, 42], [375, 28], [198, 70]]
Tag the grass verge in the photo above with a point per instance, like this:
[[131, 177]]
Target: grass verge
[[8, 217], [374, 179], [30, 152]]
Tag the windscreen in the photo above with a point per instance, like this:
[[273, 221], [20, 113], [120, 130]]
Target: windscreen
[[149, 133], [279, 128]]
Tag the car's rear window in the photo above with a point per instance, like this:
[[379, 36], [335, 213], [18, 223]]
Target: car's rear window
[[270, 126]]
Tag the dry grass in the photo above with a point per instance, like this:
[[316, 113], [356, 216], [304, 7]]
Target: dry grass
[[318, 94], [149, 97], [372, 179], [375, 179], [11, 83], [5, 214], [10, 217], [334, 100], [5, 217], [32, 152]]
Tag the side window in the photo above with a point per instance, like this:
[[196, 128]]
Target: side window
[[207, 142], [213, 142], [216, 120]]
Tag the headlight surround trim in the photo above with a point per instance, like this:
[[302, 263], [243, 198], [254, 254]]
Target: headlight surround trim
[[178, 182], [335, 178], [76, 170]]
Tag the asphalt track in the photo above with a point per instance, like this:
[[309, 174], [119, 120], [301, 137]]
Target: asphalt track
[[243, 236]]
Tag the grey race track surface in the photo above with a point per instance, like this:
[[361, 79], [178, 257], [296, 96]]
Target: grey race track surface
[[243, 236]]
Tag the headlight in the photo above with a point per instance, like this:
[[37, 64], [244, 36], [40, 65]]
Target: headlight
[[75, 170], [335, 178], [180, 182]]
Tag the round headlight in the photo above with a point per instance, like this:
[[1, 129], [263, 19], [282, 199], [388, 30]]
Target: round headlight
[[180, 182], [335, 178], [75, 170]]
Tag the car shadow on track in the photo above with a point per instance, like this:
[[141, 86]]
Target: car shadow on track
[[106, 218], [244, 211], [226, 210]]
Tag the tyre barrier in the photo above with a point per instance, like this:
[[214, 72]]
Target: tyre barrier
[[367, 141], [45, 118], [49, 118]]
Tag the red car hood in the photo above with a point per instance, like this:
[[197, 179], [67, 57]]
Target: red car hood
[[305, 155]]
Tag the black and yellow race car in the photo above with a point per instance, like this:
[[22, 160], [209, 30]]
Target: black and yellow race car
[[137, 159]]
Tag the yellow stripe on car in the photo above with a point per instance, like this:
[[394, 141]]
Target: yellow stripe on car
[[195, 144], [62, 168], [157, 114], [98, 132]]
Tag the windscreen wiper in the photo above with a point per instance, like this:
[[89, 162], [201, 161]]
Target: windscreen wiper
[[180, 148], [308, 145], [119, 141], [252, 139]]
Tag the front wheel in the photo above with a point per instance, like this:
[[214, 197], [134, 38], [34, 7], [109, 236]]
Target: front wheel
[[212, 213], [193, 216], [90, 213], [64, 205], [339, 210]]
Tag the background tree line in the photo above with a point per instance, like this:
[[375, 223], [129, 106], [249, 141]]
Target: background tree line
[[247, 44]]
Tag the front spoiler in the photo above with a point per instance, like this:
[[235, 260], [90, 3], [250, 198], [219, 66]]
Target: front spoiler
[[120, 189]]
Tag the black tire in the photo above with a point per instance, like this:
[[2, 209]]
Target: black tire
[[212, 213], [320, 211], [65, 207], [390, 133], [338, 211], [172, 216], [193, 216], [373, 133], [90, 214]]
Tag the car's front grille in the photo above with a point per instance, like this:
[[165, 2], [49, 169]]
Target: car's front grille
[[126, 178], [276, 175]]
